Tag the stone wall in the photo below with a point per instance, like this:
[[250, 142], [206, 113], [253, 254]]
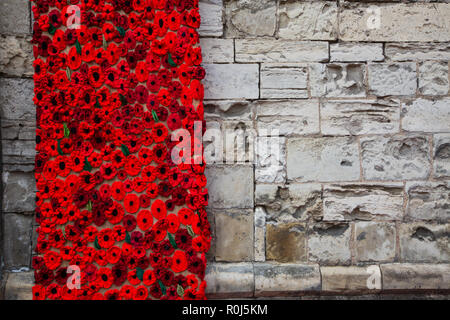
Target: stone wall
[[356, 199]]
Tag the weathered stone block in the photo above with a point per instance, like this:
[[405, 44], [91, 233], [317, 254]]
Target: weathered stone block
[[260, 234], [417, 51], [250, 18], [217, 50], [286, 242], [228, 109], [19, 192], [354, 51], [375, 241], [308, 20], [393, 79], [405, 276], [211, 13], [16, 58], [230, 186], [428, 200], [270, 156], [424, 242], [433, 78], [18, 130], [234, 279], [284, 81], [17, 240], [361, 201], [360, 117], [15, 17], [284, 278], [394, 22], [19, 152], [441, 155], [337, 80], [329, 243], [399, 157], [350, 278], [287, 117], [16, 99], [296, 202], [426, 115], [322, 159], [234, 234], [271, 50], [19, 285], [242, 81]]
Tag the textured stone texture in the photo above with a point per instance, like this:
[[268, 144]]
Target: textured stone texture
[[433, 78], [361, 201], [375, 241], [337, 80], [228, 109], [19, 192], [415, 276], [18, 286], [260, 234], [322, 159], [287, 117], [426, 115], [211, 13], [393, 79], [428, 201], [354, 51], [329, 243], [343, 97], [284, 81], [307, 20], [15, 56], [16, 99], [242, 81], [441, 155], [348, 278], [397, 22], [15, 17], [250, 18], [234, 235], [229, 278], [286, 278], [270, 156], [417, 51], [360, 117], [424, 242], [217, 50], [399, 157], [17, 243], [286, 242], [271, 50], [296, 202], [230, 186]]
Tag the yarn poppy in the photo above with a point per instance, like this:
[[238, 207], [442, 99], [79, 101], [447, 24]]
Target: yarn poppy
[[109, 199]]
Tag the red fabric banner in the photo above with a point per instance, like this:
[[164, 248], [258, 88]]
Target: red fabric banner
[[120, 208]]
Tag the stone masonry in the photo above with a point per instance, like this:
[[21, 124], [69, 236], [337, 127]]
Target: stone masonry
[[354, 200]]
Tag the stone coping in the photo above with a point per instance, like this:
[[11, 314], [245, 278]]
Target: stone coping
[[264, 280]]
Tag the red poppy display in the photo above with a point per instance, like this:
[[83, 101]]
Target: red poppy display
[[109, 199]]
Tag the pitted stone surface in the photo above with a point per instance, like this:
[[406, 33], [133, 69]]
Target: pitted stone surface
[[399, 79], [428, 200], [329, 243], [441, 155], [375, 241], [308, 20], [322, 159], [426, 115], [361, 201]]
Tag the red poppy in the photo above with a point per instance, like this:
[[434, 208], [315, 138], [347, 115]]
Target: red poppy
[[158, 209], [131, 203]]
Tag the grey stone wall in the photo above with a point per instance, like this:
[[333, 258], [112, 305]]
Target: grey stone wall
[[357, 199]]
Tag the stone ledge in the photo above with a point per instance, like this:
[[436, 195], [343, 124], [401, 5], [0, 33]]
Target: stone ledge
[[253, 280]]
